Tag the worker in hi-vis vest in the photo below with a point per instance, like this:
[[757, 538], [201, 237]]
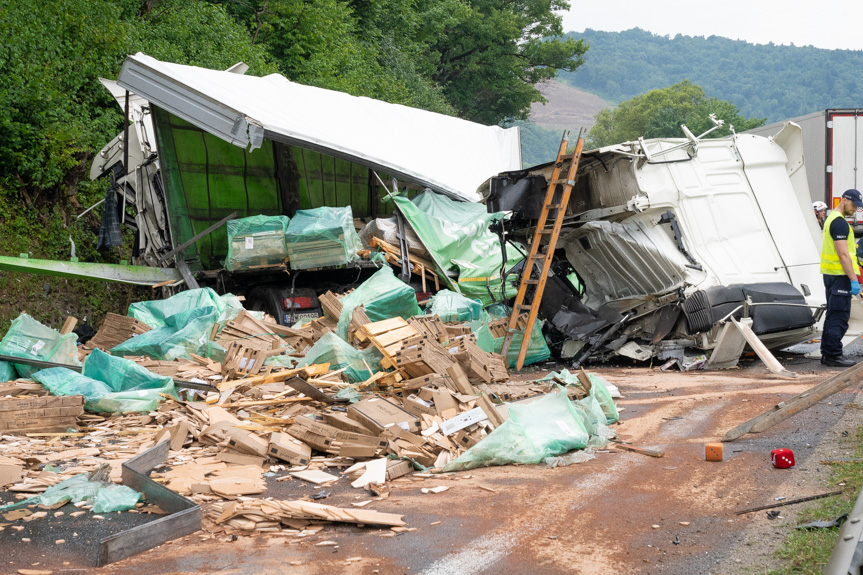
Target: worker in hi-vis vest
[[841, 270]]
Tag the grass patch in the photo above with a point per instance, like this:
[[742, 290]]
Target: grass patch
[[807, 552]]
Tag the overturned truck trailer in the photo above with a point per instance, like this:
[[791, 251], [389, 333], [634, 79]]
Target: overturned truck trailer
[[664, 240]]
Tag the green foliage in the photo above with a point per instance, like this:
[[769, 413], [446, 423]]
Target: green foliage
[[659, 114], [774, 82], [479, 59], [198, 34], [53, 111], [491, 58], [538, 145]]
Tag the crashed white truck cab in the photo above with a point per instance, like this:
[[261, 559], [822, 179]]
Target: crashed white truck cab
[[669, 238]]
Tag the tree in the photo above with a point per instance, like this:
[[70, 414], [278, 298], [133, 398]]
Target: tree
[[660, 113], [54, 113], [490, 59], [479, 59]]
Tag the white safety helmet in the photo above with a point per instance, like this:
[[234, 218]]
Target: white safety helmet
[[818, 206]]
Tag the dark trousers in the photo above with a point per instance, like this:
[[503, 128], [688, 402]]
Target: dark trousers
[[838, 291]]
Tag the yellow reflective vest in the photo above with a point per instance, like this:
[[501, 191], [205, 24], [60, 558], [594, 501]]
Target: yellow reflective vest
[[830, 264]]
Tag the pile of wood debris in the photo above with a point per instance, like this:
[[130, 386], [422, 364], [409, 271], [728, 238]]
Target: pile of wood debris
[[439, 395]]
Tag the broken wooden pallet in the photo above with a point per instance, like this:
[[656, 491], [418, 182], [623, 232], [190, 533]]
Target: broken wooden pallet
[[419, 266], [430, 325], [115, 330], [388, 336]]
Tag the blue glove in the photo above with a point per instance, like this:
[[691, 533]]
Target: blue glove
[[855, 287]]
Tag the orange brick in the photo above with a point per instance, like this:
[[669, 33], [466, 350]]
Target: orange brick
[[713, 452]]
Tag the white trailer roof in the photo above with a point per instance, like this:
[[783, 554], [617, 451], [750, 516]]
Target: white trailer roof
[[446, 154]]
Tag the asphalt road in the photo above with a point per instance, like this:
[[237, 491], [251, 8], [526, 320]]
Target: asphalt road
[[620, 512]]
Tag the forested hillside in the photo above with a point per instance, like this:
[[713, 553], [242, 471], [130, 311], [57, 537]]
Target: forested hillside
[[763, 81]]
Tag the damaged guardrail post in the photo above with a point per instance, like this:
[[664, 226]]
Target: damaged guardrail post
[[184, 515]]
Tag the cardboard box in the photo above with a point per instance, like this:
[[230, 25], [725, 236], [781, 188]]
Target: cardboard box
[[377, 413], [417, 405], [287, 448], [318, 442], [338, 434], [40, 414], [246, 442], [341, 421], [41, 402], [398, 468], [354, 450]]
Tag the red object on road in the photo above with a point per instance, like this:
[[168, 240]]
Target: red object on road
[[782, 458]]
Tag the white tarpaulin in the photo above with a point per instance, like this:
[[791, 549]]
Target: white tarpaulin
[[447, 154]]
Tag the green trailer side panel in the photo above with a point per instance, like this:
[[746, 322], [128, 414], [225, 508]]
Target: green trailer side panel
[[206, 179], [329, 181]]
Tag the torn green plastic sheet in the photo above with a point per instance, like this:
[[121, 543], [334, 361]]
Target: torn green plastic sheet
[[351, 393], [109, 384], [458, 237], [255, 241], [598, 391], [322, 237], [451, 306], [27, 338], [537, 349], [534, 431], [335, 351], [155, 312], [383, 296], [105, 497], [7, 372], [184, 333]]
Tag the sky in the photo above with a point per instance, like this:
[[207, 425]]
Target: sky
[[831, 24]]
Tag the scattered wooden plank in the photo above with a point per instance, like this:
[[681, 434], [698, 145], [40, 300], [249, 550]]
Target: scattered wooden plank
[[641, 450], [798, 403]]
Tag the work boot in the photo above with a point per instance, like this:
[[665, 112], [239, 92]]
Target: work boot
[[840, 361]]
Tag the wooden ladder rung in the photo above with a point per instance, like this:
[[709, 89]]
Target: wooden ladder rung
[[526, 280]]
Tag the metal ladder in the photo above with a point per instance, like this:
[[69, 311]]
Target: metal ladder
[[552, 212]]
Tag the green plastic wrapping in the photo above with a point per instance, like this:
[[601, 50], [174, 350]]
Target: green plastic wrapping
[[256, 241], [27, 338], [543, 428], [338, 353], [109, 384], [7, 372], [112, 498], [351, 393], [155, 312], [454, 307], [593, 412], [322, 237], [458, 237], [72, 490], [105, 497], [537, 349], [383, 296], [184, 333], [600, 392]]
